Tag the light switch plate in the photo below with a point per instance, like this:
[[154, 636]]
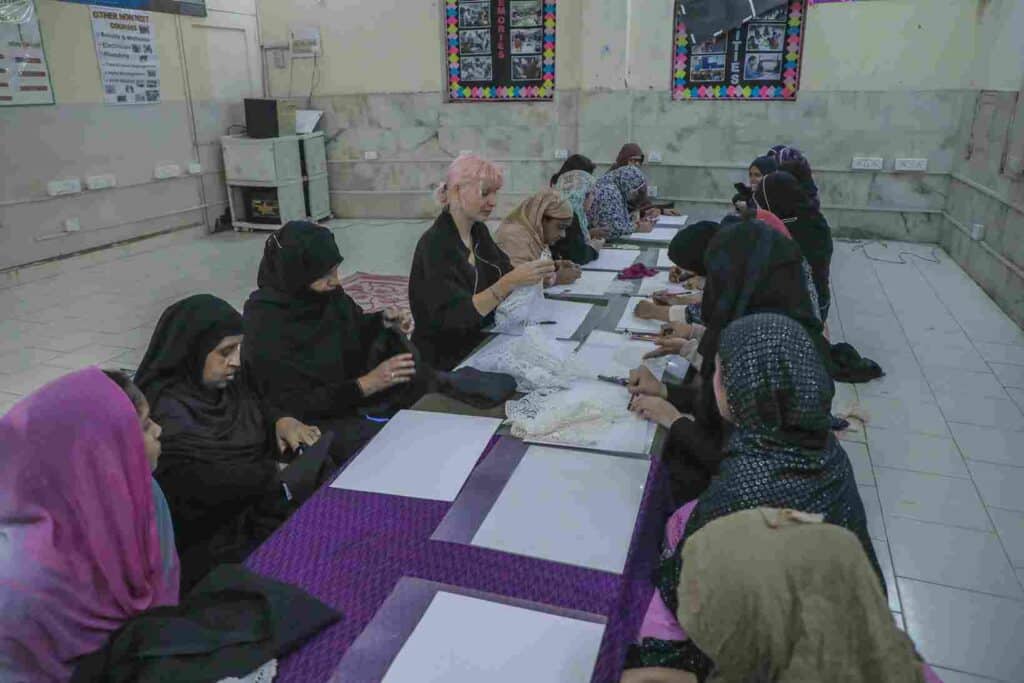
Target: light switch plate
[[55, 188], [911, 165], [867, 163], [652, 190], [561, 154], [72, 225], [100, 182], [195, 168], [164, 171], [654, 157], [370, 155]]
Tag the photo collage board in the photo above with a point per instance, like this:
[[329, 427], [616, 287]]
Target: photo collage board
[[760, 60], [500, 50]]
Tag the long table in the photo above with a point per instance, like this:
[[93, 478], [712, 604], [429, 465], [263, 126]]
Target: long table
[[350, 549]]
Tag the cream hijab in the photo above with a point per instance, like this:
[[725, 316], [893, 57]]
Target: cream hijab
[[778, 595], [521, 234]]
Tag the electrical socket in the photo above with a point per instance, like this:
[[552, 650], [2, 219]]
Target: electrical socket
[[100, 182], [72, 225], [561, 154], [55, 188], [911, 165], [654, 157], [195, 168], [867, 163], [370, 155], [652, 190], [977, 232], [464, 152], [164, 171]]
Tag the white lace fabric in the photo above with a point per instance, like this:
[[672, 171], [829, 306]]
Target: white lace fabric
[[264, 674], [535, 360]]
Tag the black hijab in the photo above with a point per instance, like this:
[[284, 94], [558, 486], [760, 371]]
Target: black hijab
[[765, 164], [207, 423], [754, 269], [687, 248], [784, 195], [300, 342], [576, 162]]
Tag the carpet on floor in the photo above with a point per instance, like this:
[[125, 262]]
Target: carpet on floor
[[375, 292]]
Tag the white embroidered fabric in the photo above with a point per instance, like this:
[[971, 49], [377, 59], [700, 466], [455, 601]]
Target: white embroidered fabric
[[513, 315], [264, 674], [534, 359]]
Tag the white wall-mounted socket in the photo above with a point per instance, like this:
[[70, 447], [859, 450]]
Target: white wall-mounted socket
[[867, 163], [654, 157], [652, 190], [100, 182], [370, 155], [463, 152], [561, 154], [977, 232], [72, 225], [164, 171], [911, 165], [55, 188], [195, 168]]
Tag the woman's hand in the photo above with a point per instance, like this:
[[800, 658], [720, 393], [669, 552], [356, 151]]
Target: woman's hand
[[680, 330], [528, 273], [396, 370], [644, 225], [677, 274], [656, 410], [648, 310], [666, 298], [598, 234], [695, 282], [642, 381], [291, 434], [567, 272], [667, 346], [397, 319]]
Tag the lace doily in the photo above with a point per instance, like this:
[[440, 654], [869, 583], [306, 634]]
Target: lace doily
[[535, 360], [264, 674], [513, 315]]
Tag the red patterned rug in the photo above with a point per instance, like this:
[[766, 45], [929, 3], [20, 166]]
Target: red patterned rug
[[374, 292]]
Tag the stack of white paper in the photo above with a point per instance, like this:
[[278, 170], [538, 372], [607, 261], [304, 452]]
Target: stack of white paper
[[663, 235], [671, 221], [568, 506], [630, 322], [590, 283], [663, 260], [461, 639], [420, 455], [613, 259], [613, 354]]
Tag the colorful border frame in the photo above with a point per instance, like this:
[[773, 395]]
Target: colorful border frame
[[791, 76], [464, 93]]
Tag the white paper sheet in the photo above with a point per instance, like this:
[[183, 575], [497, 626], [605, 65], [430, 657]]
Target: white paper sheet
[[630, 322], [420, 455], [569, 506], [306, 120], [613, 259], [661, 235], [660, 282], [614, 354], [568, 316], [590, 283], [461, 639], [663, 260], [671, 221]]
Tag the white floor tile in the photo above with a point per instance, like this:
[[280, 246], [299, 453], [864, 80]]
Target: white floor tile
[[873, 510], [953, 381], [1008, 374], [964, 630], [983, 412], [989, 444], [94, 354], [950, 676], [27, 381], [1018, 397], [1010, 527], [916, 452], [23, 359], [858, 454], [951, 556], [906, 389], [885, 560], [949, 357], [913, 416], [1001, 353], [999, 485], [931, 498]]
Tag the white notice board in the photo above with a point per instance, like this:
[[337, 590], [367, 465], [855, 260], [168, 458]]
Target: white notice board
[[126, 49]]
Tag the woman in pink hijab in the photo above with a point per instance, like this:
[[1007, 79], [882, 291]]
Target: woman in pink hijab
[[85, 536]]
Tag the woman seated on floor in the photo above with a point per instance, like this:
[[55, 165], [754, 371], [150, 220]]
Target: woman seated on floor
[[221, 443], [686, 251], [782, 194], [88, 542], [772, 388], [308, 344], [530, 231], [575, 162], [581, 244], [629, 155], [459, 275], [792, 161], [750, 269], [616, 196]]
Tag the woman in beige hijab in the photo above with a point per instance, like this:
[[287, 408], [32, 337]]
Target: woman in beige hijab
[[779, 596], [527, 233]]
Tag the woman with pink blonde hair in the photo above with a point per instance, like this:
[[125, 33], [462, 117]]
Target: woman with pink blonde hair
[[459, 275]]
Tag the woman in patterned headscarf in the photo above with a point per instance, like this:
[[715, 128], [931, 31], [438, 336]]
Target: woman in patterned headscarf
[[581, 244], [773, 389], [616, 195]]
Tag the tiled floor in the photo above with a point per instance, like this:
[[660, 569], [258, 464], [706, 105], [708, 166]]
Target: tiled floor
[[940, 464]]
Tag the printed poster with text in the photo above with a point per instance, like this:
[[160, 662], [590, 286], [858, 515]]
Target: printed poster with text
[[24, 74], [500, 50], [126, 50], [760, 60]]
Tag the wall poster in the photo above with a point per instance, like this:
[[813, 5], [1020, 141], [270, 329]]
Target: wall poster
[[500, 50], [760, 60], [191, 8], [126, 49], [24, 73]]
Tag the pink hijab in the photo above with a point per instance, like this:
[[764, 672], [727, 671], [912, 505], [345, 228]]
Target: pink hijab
[[79, 547], [773, 222]]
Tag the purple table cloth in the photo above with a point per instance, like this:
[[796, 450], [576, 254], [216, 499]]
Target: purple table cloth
[[350, 549]]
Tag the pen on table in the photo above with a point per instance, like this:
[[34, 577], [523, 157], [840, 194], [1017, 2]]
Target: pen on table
[[621, 381], [545, 322]]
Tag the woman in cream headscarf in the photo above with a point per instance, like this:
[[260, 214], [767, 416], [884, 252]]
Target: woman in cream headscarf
[[528, 232]]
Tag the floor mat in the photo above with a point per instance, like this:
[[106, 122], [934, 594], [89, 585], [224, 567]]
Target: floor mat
[[374, 292]]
